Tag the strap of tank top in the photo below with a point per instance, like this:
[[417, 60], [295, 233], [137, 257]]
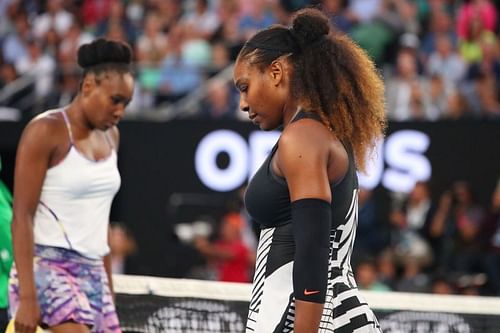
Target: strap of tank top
[[68, 126], [110, 140], [301, 114]]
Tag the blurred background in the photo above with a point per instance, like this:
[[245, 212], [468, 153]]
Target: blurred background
[[429, 218]]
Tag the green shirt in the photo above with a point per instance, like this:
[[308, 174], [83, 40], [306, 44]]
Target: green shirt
[[6, 256]]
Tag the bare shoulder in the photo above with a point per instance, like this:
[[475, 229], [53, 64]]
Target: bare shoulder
[[45, 128], [307, 143], [302, 159], [42, 138], [48, 118], [303, 144], [306, 133]]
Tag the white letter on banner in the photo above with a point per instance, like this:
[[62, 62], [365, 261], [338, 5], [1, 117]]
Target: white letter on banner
[[374, 168], [261, 144], [404, 153], [209, 148]]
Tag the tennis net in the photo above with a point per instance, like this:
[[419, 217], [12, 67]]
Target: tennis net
[[157, 305]]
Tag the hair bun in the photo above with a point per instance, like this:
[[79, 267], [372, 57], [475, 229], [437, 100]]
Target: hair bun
[[103, 51], [309, 25]]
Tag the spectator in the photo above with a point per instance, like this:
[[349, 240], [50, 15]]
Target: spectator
[[489, 64], [258, 18], [441, 24], [220, 102], [439, 91], [446, 62], [71, 41], [8, 10], [456, 106], [117, 18], [14, 45], [40, 65], [473, 12], [363, 11], [407, 92], [68, 85], [152, 45], [94, 12], [474, 18], [178, 73], [369, 236], [20, 100], [170, 13], [115, 32], [366, 276], [228, 30], [441, 286], [387, 270], [410, 224], [374, 37], [488, 96], [336, 10], [202, 22], [220, 58], [151, 49], [414, 279], [456, 228], [55, 17], [52, 43], [400, 16], [233, 260], [491, 236], [283, 11], [122, 246]]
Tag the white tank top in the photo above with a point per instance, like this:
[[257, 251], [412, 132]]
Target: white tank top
[[75, 202]]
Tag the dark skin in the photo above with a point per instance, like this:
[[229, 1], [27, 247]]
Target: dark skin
[[309, 155], [93, 114]]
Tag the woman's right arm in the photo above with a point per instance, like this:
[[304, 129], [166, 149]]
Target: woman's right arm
[[32, 160]]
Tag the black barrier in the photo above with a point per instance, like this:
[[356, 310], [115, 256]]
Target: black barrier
[[158, 160]]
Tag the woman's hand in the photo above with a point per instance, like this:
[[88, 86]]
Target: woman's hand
[[27, 316]]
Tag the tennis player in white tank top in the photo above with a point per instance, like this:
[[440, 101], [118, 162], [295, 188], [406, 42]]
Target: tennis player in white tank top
[[66, 177]]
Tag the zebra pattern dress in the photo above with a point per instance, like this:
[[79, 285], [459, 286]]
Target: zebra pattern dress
[[272, 306]]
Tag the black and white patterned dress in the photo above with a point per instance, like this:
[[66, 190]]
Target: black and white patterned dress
[[272, 306]]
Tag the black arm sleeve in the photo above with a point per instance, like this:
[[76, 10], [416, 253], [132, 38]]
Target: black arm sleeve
[[311, 221]]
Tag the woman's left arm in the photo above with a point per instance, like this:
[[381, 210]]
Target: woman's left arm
[[303, 159]]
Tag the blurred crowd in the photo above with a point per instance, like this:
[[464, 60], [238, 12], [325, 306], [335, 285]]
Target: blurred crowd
[[448, 246], [439, 58]]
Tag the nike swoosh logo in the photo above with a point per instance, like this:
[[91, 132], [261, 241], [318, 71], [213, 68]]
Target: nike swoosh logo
[[310, 292]]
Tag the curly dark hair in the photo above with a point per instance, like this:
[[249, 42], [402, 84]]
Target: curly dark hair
[[331, 76]]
